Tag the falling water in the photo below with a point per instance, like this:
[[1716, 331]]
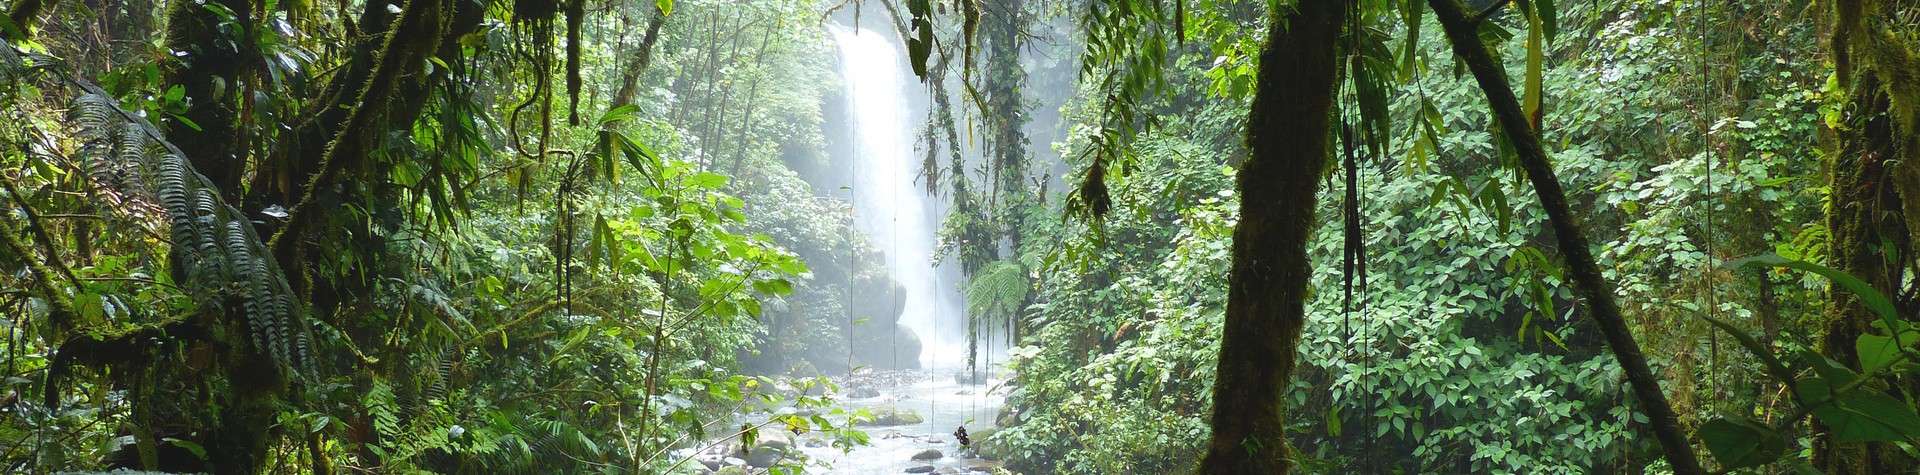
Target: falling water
[[889, 204]]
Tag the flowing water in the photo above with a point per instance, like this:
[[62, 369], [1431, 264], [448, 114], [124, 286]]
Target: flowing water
[[890, 204], [892, 207], [941, 402], [945, 405]]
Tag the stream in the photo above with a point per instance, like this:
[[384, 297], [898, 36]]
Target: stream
[[941, 402]]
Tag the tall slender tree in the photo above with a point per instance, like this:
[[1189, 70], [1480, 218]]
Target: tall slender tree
[[1289, 145]]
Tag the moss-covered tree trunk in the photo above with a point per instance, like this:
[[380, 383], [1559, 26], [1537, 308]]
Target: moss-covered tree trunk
[[216, 48], [1875, 188], [1860, 209], [1289, 143], [1005, 111], [349, 116]]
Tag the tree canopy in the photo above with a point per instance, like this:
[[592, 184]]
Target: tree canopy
[[1160, 236]]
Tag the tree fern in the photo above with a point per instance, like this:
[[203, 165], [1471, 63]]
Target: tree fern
[[214, 246], [994, 295], [997, 290]]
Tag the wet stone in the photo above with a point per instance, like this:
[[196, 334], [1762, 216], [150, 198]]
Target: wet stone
[[893, 416], [863, 392]]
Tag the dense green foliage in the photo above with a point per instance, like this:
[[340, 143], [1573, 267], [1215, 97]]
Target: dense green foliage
[[505, 292], [543, 236], [1463, 348]]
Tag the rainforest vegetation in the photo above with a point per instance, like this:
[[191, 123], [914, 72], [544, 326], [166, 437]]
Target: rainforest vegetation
[[960, 236]]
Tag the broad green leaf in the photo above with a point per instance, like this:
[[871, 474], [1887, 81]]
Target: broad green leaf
[[90, 306], [190, 446], [1877, 352], [1549, 18], [1832, 372], [1333, 421], [665, 6], [708, 180], [1775, 368], [1870, 297], [1410, 13], [1868, 416], [1494, 201], [574, 340], [773, 286], [1739, 442], [619, 114]]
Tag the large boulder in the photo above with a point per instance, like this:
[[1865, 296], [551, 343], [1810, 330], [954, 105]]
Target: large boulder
[[929, 454], [862, 392], [893, 416], [984, 466], [769, 448], [1008, 417], [764, 456], [879, 341], [987, 446], [970, 377]]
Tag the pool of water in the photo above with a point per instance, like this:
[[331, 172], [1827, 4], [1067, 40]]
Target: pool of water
[[938, 398], [945, 405]]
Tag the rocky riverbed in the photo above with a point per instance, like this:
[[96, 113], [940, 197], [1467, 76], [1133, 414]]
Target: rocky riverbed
[[915, 416]]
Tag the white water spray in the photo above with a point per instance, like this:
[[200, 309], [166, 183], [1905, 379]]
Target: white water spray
[[889, 203]]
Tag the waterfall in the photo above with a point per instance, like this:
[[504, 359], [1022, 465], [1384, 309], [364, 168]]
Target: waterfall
[[890, 205]]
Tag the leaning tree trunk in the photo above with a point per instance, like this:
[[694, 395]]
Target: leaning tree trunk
[[1288, 141], [1594, 289]]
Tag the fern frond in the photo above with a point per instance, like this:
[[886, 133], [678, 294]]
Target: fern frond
[[214, 245], [213, 265], [170, 186], [124, 170], [95, 116], [12, 66], [97, 123], [265, 313], [240, 258], [442, 374], [302, 336], [997, 290]]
